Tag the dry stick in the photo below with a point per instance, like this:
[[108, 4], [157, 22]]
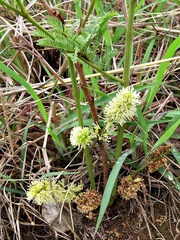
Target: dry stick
[[46, 160], [124, 10], [7, 125], [63, 68], [104, 162], [48, 7], [43, 61], [27, 214], [145, 218], [142, 66], [52, 11], [95, 119], [86, 92]]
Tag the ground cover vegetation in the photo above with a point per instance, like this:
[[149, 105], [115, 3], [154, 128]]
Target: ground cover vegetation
[[89, 119]]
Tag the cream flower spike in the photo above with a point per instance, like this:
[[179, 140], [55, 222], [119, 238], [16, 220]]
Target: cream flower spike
[[121, 108], [81, 137], [49, 192]]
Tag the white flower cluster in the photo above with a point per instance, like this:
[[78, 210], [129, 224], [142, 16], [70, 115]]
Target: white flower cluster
[[121, 108], [81, 137], [48, 191]]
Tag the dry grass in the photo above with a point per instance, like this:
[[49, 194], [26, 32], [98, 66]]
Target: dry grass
[[26, 149]]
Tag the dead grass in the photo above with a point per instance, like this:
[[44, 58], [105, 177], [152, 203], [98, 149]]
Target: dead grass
[[155, 213]]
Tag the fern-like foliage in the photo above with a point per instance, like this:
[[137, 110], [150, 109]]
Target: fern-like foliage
[[68, 40], [107, 58], [40, 34], [63, 44], [102, 27]]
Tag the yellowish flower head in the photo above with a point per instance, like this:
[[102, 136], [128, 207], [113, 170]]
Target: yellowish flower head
[[121, 108], [80, 137], [48, 191], [40, 192]]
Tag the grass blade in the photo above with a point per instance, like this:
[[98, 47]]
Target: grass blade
[[168, 133], [12, 190], [161, 71], [144, 129], [30, 90], [109, 187], [176, 154], [170, 176], [8, 178]]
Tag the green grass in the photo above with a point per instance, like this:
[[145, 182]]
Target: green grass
[[110, 185], [161, 72], [98, 43]]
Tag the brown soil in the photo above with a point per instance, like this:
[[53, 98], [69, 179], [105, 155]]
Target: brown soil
[[125, 221], [158, 218]]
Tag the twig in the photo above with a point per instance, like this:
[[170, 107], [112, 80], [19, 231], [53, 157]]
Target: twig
[[86, 92], [7, 125], [88, 13], [104, 162], [95, 119], [43, 61], [53, 11], [80, 121], [120, 70], [46, 160]]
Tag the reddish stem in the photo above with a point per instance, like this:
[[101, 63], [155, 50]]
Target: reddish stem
[[95, 119]]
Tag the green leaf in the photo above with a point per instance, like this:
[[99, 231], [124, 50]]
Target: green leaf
[[30, 90], [161, 72], [143, 128], [60, 43], [176, 1], [78, 8], [101, 29], [23, 150], [8, 178], [168, 133], [176, 154], [12, 190], [109, 186], [169, 175]]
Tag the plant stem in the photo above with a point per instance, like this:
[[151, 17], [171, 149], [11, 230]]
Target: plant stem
[[118, 153], [75, 91], [103, 73], [119, 143], [88, 13], [91, 100], [10, 7], [87, 94], [128, 43], [23, 9], [104, 162], [126, 76], [25, 15], [95, 119], [80, 120], [89, 167]]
